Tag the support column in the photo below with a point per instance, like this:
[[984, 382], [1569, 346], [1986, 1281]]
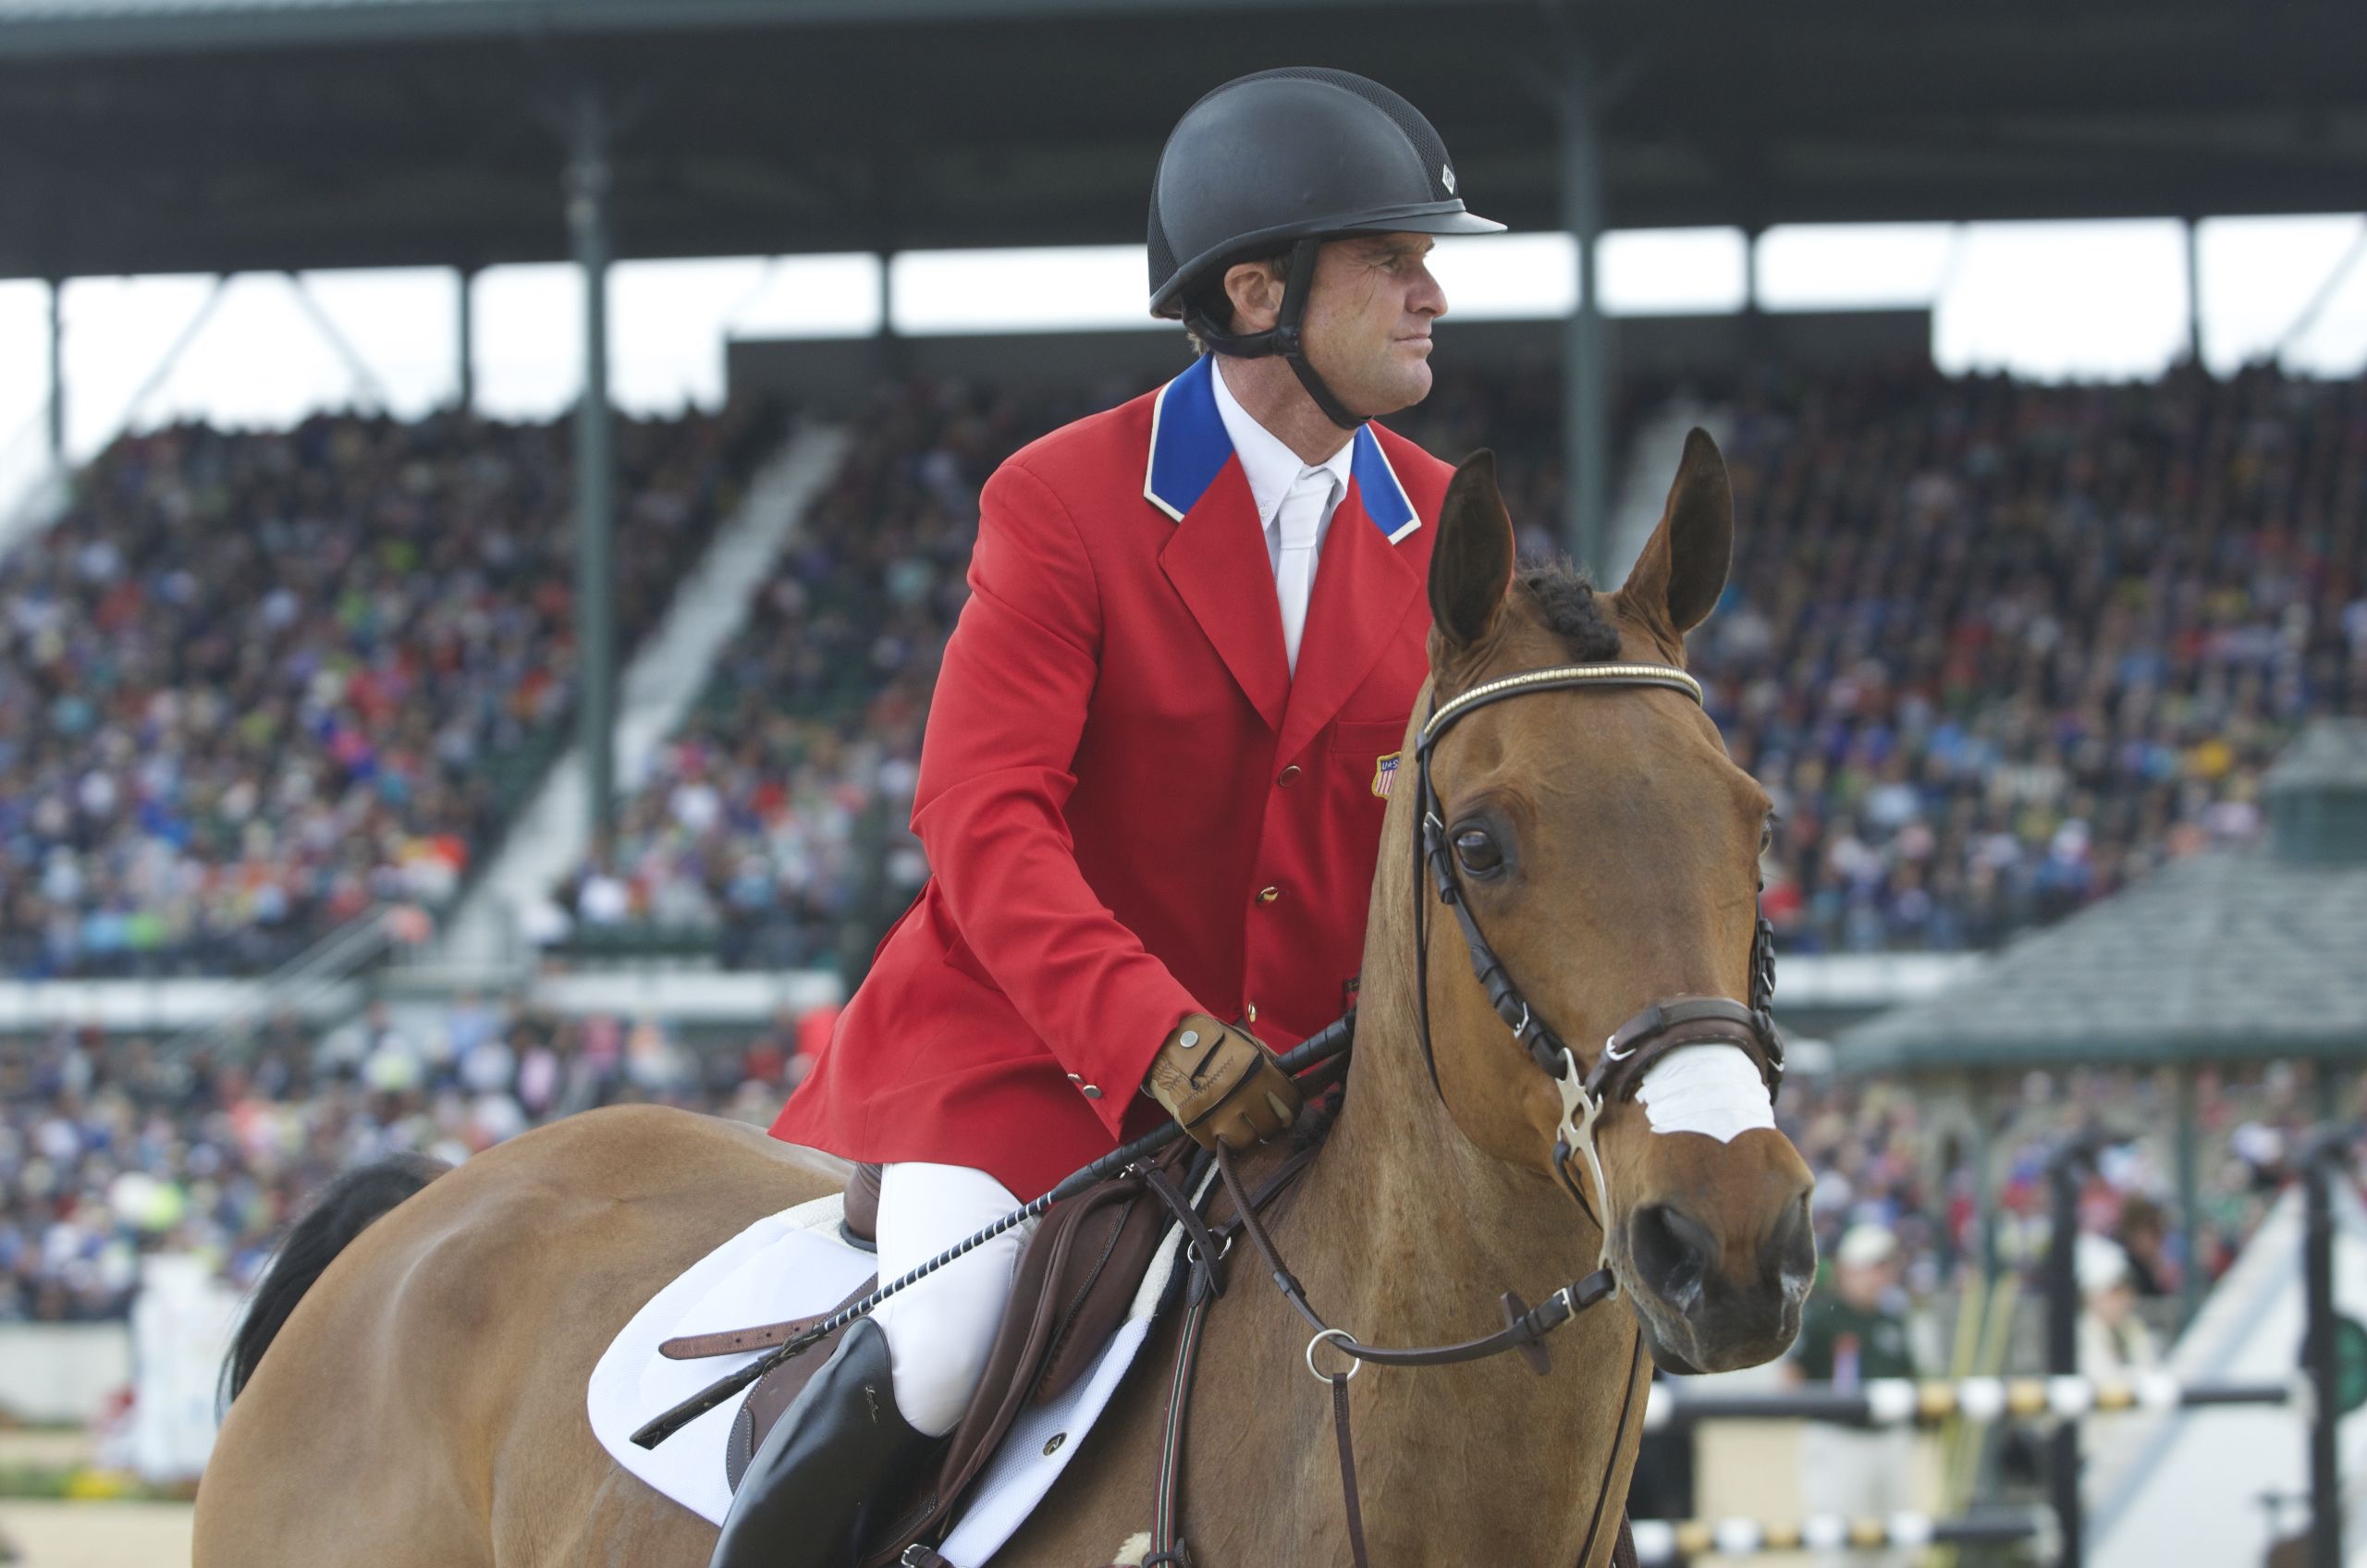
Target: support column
[[2063, 1459], [894, 361], [57, 372], [2320, 1361], [1585, 349], [2194, 292], [465, 325], [588, 227], [889, 169], [1757, 330], [2189, 1176], [1984, 1184]]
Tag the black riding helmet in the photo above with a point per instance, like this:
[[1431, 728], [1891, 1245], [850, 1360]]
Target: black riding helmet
[[1281, 161]]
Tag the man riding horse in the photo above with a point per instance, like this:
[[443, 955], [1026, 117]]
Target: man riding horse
[[1153, 796], [1153, 777]]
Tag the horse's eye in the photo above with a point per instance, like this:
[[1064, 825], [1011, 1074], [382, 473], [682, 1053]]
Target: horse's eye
[[1477, 851]]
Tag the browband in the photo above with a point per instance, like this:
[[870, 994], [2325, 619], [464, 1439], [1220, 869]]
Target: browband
[[1669, 676]]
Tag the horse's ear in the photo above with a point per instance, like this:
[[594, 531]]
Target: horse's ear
[[1471, 566], [1677, 579]]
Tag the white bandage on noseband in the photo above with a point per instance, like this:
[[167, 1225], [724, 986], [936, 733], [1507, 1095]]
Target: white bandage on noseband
[[1711, 1089]]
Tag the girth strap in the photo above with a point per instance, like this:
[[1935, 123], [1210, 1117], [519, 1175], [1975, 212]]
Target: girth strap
[[1204, 1249]]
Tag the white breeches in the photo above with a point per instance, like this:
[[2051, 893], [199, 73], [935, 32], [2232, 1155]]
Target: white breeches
[[940, 1330]]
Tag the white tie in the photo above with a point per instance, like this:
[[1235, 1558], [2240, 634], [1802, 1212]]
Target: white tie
[[1295, 524]]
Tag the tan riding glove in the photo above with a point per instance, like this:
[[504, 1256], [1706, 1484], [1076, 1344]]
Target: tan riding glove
[[1221, 1085]]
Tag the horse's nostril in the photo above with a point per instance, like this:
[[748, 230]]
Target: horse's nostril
[[1788, 1256], [1672, 1252]]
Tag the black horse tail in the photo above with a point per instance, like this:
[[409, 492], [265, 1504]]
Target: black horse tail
[[344, 1210]]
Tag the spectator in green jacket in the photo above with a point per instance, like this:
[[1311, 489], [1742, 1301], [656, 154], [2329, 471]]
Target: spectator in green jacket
[[1852, 1331]]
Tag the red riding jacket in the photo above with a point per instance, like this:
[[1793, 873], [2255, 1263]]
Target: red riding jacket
[[1131, 810]]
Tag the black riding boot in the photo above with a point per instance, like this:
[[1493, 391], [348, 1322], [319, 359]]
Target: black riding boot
[[815, 1484]]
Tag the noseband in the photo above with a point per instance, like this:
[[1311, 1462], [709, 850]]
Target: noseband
[[1630, 1050]]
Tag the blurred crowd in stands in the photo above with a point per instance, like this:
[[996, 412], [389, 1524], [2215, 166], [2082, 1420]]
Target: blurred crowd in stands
[[1888, 1155], [111, 1146], [252, 684], [1997, 648], [776, 820]]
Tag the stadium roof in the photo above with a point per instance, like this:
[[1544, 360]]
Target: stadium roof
[[2231, 954], [224, 135]]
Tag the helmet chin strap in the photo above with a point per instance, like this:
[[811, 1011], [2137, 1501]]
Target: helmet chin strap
[[1283, 337]]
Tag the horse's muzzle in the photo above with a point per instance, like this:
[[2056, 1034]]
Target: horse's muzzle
[[1707, 1310]]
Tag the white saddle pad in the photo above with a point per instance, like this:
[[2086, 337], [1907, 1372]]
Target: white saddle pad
[[794, 1265]]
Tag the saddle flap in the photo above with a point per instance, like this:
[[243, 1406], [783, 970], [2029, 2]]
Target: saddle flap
[[1083, 1234], [1074, 1283], [1098, 1289]]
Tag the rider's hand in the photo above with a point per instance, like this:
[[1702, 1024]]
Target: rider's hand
[[1221, 1085]]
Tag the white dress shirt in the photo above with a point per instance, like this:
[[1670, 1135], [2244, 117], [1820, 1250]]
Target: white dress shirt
[[1272, 469]]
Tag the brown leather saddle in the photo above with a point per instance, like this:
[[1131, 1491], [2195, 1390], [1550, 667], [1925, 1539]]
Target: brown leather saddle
[[1075, 1281]]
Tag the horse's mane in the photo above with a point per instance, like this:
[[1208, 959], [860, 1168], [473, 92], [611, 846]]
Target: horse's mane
[[1566, 600]]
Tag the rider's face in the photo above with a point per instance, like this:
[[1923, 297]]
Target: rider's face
[[1368, 315]]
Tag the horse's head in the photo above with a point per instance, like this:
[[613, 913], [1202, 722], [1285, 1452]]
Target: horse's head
[[1606, 850]]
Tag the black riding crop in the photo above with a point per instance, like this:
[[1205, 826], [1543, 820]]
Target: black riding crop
[[1326, 1043]]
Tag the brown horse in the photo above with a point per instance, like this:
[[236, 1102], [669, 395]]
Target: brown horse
[[422, 1404]]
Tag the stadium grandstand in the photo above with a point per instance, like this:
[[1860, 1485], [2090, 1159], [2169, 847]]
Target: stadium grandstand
[[1998, 648], [261, 683], [2000, 645]]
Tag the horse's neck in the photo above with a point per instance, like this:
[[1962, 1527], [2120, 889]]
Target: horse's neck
[[1425, 1228], [1404, 1233]]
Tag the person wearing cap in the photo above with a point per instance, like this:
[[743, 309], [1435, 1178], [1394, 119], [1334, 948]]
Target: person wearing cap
[[1850, 1333], [1152, 782], [2113, 1340]]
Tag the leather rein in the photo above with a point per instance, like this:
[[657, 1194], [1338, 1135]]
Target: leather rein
[[1586, 1093]]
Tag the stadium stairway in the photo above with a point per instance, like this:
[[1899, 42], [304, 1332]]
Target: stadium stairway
[[1651, 463], [486, 934], [30, 505]]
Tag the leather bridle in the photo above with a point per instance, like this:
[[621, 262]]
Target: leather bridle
[[1634, 1045], [1586, 1091]]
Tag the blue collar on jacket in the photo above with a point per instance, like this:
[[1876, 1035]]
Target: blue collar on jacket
[[1189, 448]]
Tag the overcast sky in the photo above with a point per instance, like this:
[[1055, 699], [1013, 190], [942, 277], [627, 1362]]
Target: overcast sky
[[2049, 301]]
